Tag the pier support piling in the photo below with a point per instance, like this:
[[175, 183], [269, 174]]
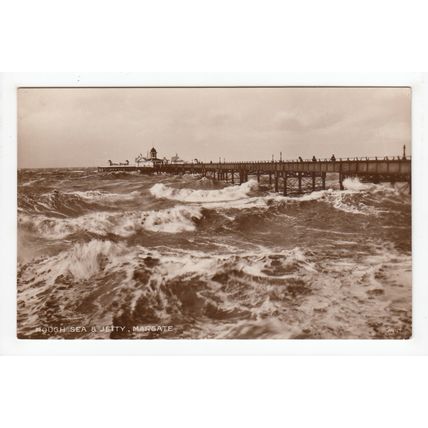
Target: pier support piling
[[341, 181], [299, 177]]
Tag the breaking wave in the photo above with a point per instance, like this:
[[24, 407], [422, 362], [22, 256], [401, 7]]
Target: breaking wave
[[82, 261], [354, 184], [232, 262], [97, 195], [172, 220], [344, 201], [355, 199], [231, 193], [72, 203], [162, 285], [238, 294]]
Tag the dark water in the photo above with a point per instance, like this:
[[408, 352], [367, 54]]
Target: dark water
[[204, 260]]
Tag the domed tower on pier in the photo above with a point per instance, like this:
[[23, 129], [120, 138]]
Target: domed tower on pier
[[153, 154]]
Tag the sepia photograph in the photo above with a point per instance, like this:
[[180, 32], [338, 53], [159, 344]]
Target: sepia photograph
[[238, 212]]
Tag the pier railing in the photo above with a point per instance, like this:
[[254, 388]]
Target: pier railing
[[374, 169], [349, 165]]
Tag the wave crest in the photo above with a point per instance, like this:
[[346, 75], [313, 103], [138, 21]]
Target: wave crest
[[159, 285], [172, 220], [231, 193], [98, 195]]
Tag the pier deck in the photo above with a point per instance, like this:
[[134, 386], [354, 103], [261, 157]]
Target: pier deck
[[289, 177]]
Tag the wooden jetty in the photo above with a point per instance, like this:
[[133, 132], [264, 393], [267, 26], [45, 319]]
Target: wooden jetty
[[289, 177]]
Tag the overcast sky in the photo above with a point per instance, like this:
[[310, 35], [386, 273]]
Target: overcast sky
[[87, 126]]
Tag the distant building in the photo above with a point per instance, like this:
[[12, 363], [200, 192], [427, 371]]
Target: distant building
[[151, 159], [176, 159], [154, 157]]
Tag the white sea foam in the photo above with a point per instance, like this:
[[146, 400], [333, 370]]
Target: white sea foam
[[173, 220], [353, 183], [339, 199], [322, 292], [231, 193], [98, 195], [82, 261], [239, 204], [236, 197], [183, 218], [163, 275], [29, 183], [259, 265]]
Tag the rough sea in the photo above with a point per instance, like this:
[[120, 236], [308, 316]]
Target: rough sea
[[123, 255]]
